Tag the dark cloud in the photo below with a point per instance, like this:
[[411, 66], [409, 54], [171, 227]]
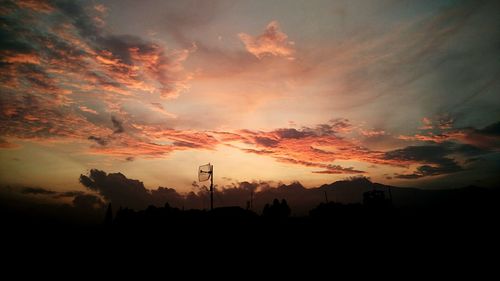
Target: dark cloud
[[487, 138], [469, 150], [38, 191], [187, 144], [75, 12], [118, 189], [337, 169], [339, 125], [427, 170], [293, 133], [434, 157], [266, 141], [99, 140], [430, 153], [491, 130], [87, 201], [68, 194], [80, 199], [118, 125], [164, 195]]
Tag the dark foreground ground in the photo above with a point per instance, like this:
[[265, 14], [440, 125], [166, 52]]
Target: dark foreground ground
[[333, 238], [328, 225], [464, 228]]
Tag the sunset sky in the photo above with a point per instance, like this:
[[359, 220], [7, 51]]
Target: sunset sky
[[403, 92]]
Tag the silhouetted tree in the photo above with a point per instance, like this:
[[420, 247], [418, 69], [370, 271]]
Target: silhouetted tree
[[277, 209], [376, 199], [285, 209], [265, 212]]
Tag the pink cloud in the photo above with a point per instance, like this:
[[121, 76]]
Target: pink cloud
[[273, 42], [86, 109], [372, 133]]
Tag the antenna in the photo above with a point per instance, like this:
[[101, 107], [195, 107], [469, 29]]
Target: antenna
[[206, 172]]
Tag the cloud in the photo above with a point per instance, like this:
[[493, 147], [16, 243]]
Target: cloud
[[434, 157], [79, 199], [486, 138], [87, 201], [435, 138], [316, 146], [273, 42], [117, 125], [98, 140], [337, 169], [37, 191], [447, 145], [40, 6], [50, 84], [68, 194], [63, 78], [372, 133], [86, 109], [491, 130], [264, 141], [117, 189], [51, 91]]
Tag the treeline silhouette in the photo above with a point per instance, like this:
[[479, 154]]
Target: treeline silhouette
[[376, 212]]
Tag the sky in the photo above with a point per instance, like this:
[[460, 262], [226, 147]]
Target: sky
[[405, 93]]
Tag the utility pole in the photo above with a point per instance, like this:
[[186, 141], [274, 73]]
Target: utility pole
[[212, 189]]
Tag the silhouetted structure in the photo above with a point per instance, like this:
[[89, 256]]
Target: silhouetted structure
[[250, 202], [207, 172], [108, 219]]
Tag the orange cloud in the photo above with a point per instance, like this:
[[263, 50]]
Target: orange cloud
[[36, 5], [14, 58], [311, 147], [272, 42], [437, 138]]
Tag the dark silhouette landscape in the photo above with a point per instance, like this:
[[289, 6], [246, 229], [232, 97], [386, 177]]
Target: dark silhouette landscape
[[116, 203]]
